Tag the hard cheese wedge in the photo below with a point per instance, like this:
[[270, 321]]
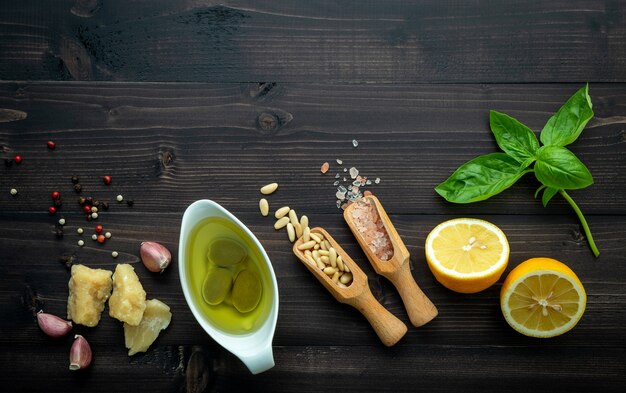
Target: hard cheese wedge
[[89, 290], [156, 317], [128, 301]]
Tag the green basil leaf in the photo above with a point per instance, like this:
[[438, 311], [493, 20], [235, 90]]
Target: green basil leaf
[[513, 137], [566, 125], [548, 194], [481, 178], [559, 168]]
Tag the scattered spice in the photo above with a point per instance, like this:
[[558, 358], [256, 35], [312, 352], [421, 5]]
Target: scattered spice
[[101, 239], [81, 200], [115, 254], [94, 216], [51, 145], [61, 221], [119, 198], [106, 179], [355, 143], [98, 228], [52, 210], [13, 191], [87, 209], [325, 167], [340, 162], [370, 226], [105, 205], [107, 235], [94, 237], [354, 172], [81, 243], [78, 188], [130, 202], [17, 159], [74, 179], [55, 195], [79, 231], [94, 209]]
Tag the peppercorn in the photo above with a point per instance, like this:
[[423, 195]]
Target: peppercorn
[[61, 221], [8, 162], [105, 205], [13, 191], [106, 179], [74, 179], [52, 210], [78, 188], [87, 209], [88, 218], [57, 203], [94, 209], [94, 215], [96, 203], [119, 198], [79, 231], [101, 239], [90, 200], [55, 195], [81, 200], [17, 159], [98, 228], [94, 237], [130, 203], [51, 145], [81, 243], [115, 254], [107, 235], [59, 233]]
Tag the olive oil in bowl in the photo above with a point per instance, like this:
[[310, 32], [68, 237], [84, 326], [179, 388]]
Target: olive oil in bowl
[[229, 283], [224, 286]]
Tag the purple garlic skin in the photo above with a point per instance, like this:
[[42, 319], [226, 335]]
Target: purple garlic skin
[[155, 256], [80, 353], [52, 325]]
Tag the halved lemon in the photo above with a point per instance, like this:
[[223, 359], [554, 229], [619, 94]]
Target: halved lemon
[[543, 298], [467, 255]]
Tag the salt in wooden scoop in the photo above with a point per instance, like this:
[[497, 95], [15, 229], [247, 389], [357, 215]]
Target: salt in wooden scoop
[[388, 255], [357, 294]]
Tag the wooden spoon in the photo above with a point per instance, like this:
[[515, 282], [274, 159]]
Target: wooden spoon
[[397, 268], [358, 294]]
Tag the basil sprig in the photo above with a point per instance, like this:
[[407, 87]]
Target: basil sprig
[[556, 167]]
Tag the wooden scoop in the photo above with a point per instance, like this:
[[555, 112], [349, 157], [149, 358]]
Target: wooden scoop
[[358, 295], [397, 268]]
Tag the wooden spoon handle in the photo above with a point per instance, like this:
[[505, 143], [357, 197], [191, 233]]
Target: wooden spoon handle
[[419, 307], [386, 325]]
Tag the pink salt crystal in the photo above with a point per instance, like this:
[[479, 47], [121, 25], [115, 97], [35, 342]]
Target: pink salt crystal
[[325, 167], [370, 226]]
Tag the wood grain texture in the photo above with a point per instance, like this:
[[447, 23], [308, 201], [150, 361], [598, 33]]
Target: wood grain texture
[[184, 142], [296, 41]]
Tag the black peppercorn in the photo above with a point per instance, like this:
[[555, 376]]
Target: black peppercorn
[[105, 205], [57, 203], [88, 217], [78, 187], [96, 203], [130, 202], [59, 232], [8, 162], [89, 201], [74, 179]]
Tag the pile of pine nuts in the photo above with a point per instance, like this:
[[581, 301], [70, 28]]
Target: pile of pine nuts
[[317, 250], [319, 253]]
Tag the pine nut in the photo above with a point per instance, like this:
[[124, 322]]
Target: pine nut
[[325, 260], [320, 264], [336, 277], [307, 245], [323, 246], [291, 232], [298, 229], [282, 212], [332, 254], [345, 267], [269, 188], [316, 246], [293, 217], [304, 221], [341, 285], [311, 261], [327, 244], [323, 252], [340, 263], [306, 234], [316, 254], [307, 253], [345, 278], [329, 271], [281, 223], [315, 237], [264, 206]]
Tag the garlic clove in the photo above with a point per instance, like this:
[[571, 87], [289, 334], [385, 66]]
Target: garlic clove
[[52, 325], [155, 256], [80, 353]]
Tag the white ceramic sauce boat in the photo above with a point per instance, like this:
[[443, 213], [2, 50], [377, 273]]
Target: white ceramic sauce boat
[[253, 349]]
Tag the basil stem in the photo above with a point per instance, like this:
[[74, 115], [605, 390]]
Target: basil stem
[[574, 206]]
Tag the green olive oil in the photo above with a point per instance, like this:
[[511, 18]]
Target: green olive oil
[[225, 315]]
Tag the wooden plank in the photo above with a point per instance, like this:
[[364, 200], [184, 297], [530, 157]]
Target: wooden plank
[[293, 41], [224, 141]]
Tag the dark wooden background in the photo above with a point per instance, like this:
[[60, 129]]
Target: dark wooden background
[[184, 100]]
